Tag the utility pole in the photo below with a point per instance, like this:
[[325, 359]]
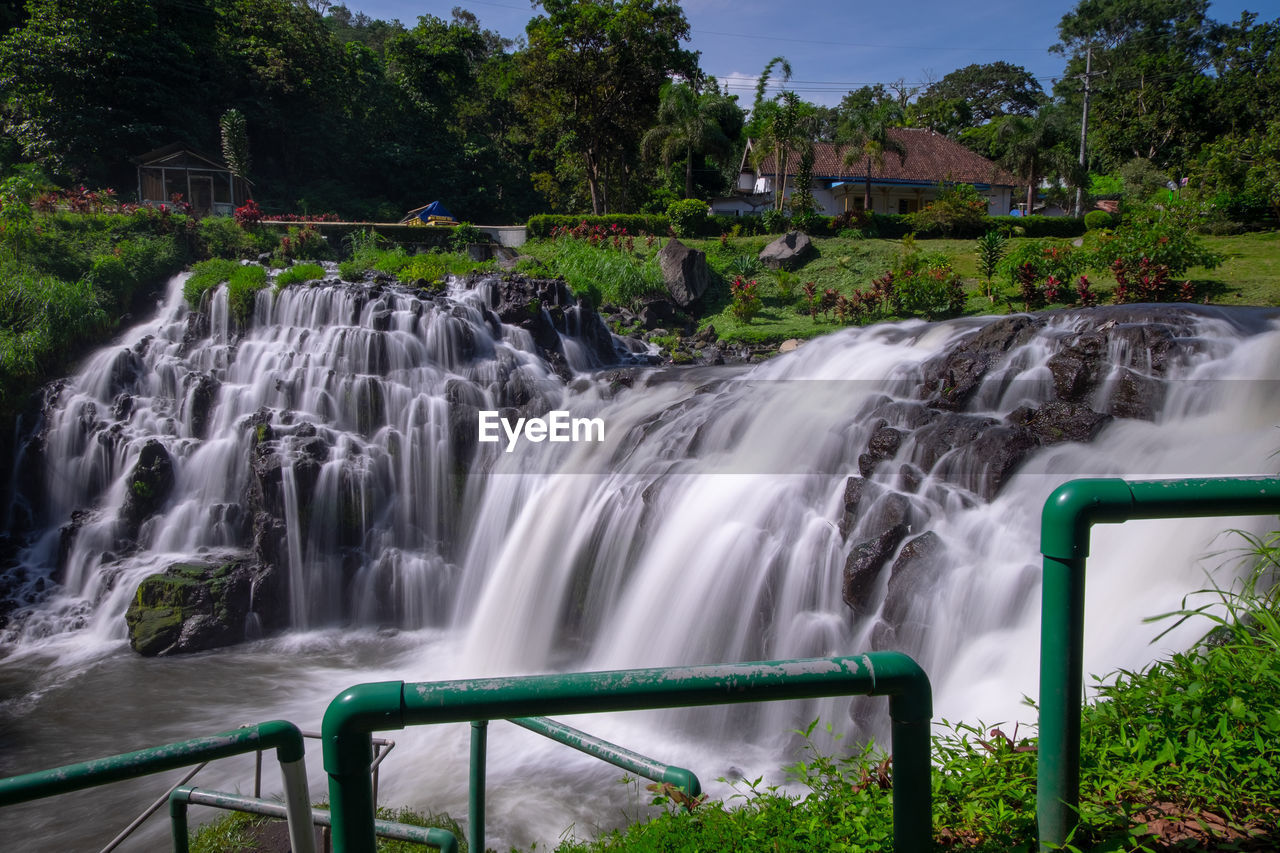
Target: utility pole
[[1088, 75]]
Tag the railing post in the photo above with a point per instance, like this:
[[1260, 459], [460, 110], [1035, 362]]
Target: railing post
[[178, 822], [347, 739], [1061, 695], [476, 796], [1068, 515]]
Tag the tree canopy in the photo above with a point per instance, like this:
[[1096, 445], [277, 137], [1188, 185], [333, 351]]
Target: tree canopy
[[601, 107]]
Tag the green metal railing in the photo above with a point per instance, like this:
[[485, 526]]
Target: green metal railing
[[280, 735], [1068, 515], [355, 714], [186, 795], [618, 756]]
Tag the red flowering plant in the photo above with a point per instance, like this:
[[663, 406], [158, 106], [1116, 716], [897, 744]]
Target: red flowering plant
[[248, 213], [746, 302]]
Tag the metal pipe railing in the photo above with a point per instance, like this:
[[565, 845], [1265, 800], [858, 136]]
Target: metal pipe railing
[[1069, 514], [183, 796], [610, 753], [632, 762], [283, 736], [355, 714]]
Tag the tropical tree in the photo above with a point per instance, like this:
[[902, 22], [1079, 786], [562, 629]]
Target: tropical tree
[[1034, 146], [784, 127], [1152, 100], [691, 125], [865, 137], [591, 77]]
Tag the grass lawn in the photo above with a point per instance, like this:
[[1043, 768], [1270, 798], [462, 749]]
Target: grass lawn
[[1249, 275]]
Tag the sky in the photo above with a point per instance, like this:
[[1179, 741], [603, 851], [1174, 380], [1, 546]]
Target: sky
[[834, 46]]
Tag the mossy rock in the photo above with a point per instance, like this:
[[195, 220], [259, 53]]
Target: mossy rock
[[190, 607]]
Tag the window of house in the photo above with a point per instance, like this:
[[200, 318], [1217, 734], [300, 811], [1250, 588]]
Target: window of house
[[905, 206]]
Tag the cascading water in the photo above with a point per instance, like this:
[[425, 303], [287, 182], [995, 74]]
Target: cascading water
[[878, 488]]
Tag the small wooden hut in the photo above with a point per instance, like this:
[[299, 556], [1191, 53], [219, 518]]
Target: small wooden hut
[[204, 182]]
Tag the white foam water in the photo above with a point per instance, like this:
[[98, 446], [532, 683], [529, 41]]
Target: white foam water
[[706, 528]]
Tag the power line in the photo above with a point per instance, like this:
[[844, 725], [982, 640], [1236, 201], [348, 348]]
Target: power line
[[872, 44]]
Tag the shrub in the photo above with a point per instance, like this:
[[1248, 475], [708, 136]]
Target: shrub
[[305, 243], [542, 225], [205, 276], [688, 217], [921, 284], [1038, 226], [773, 221], [299, 273], [1163, 236], [1037, 261], [465, 234], [351, 270], [958, 211], [990, 251], [242, 290], [1097, 220], [248, 213], [745, 296], [222, 237]]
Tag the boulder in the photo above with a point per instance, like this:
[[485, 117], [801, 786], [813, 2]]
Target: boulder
[[955, 376], [1135, 396], [887, 524], [915, 570], [199, 403], [788, 252], [1077, 367], [149, 486], [191, 607], [684, 271], [789, 345], [1057, 422]]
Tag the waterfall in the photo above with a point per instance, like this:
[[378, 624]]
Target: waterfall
[[878, 488]]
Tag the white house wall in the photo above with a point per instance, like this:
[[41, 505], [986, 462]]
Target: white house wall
[[832, 201]]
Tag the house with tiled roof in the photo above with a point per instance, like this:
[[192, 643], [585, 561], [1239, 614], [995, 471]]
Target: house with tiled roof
[[900, 185]]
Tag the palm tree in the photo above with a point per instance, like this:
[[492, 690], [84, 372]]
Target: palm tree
[[866, 136], [783, 128], [690, 125], [1031, 147]]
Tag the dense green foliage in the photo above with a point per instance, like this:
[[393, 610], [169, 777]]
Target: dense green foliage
[[601, 108], [66, 280], [543, 224]]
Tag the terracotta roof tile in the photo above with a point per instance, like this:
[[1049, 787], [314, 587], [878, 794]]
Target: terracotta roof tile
[[931, 157]]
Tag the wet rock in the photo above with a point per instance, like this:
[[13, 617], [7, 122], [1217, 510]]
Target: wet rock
[[656, 314], [994, 456], [149, 486], [788, 252], [1135, 396], [855, 488], [191, 607], [126, 369], [887, 524], [945, 434], [199, 403], [1077, 367], [917, 569], [954, 377], [884, 442], [684, 271], [1057, 422], [910, 477], [584, 323]]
